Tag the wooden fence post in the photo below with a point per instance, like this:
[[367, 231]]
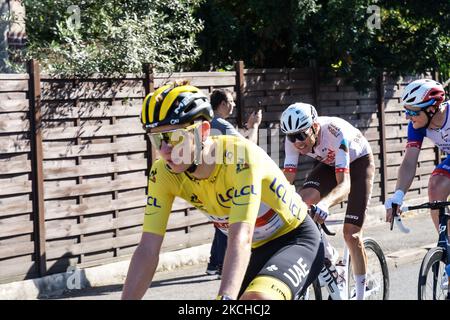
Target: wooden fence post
[[37, 165], [239, 67], [149, 86], [382, 129]]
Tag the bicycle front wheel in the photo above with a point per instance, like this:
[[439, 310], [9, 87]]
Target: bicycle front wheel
[[432, 279], [377, 274]]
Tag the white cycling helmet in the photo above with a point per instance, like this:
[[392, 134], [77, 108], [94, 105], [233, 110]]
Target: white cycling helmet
[[423, 93], [297, 117]]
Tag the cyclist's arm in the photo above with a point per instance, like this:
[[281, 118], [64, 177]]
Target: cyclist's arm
[[237, 257], [247, 179], [290, 161], [407, 169], [142, 266], [161, 187]]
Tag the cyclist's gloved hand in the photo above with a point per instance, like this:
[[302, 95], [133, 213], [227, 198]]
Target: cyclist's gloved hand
[[397, 198], [321, 213]]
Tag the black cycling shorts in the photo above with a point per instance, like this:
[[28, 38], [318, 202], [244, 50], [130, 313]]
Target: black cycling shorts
[[295, 259]]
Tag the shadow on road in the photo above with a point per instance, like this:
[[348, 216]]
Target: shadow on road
[[111, 289]]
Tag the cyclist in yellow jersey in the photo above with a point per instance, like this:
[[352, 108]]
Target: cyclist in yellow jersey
[[274, 249]]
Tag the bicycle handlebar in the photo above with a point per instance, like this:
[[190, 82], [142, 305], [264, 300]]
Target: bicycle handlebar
[[435, 205], [325, 229]]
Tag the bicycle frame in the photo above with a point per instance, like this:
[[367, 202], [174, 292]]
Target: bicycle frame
[[443, 222], [443, 242]]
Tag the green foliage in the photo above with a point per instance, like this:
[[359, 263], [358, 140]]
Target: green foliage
[[412, 37], [112, 36]]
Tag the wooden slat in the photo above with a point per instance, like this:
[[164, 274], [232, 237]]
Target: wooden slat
[[14, 85], [88, 208], [56, 113], [45, 77], [12, 145], [14, 105], [16, 249], [93, 188], [175, 240], [86, 169], [276, 100], [17, 269], [13, 95], [15, 208], [14, 166], [10, 188], [93, 131], [92, 89], [93, 149], [13, 116], [180, 204], [277, 85], [13, 229], [14, 126], [60, 229], [14, 76], [93, 246], [195, 217], [200, 74]]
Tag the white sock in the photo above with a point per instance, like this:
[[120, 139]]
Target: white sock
[[360, 280]]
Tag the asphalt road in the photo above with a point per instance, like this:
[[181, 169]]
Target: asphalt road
[[404, 253]]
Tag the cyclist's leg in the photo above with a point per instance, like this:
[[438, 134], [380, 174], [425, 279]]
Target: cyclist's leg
[[361, 173], [439, 187], [317, 185], [213, 263], [295, 261]]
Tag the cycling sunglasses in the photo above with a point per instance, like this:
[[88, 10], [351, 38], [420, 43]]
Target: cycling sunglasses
[[411, 113], [299, 136], [172, 137]]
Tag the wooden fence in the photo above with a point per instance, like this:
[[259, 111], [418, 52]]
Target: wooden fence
[[73, 157]]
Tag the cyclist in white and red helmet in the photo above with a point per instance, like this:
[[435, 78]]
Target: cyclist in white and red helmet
[[345, 172], [429, 115], [424, 106]]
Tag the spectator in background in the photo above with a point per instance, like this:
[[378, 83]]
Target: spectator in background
[[222, 102]]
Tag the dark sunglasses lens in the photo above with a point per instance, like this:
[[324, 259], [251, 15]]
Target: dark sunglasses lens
[[301, 136], [291, 138]]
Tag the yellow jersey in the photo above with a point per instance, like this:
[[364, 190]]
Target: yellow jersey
[[246, 185]]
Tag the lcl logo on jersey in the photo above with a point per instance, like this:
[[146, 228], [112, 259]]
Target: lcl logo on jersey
[[232, 196], [153, 202]]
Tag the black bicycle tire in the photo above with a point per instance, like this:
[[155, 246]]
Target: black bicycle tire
[[371, 244], [434, 255]]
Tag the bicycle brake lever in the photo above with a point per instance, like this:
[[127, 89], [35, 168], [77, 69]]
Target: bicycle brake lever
[[394, 214], [326, 230]]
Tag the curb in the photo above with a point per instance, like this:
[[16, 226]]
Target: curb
[[109, 274]]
